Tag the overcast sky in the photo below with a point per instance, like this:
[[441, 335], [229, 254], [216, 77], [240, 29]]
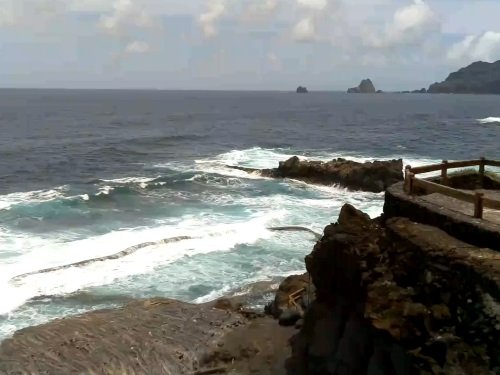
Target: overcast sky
[[242, 44]]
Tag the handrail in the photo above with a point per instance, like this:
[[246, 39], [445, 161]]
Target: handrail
[[445, 190], [448, 165], [478, 199]]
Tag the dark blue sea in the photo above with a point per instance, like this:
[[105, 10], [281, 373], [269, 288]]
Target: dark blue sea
[[85, 174]]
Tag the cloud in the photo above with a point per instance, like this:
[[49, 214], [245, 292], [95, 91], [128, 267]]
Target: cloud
[[208, 20], [409, 25], [260, 9], [137, 47], [484, 47], [305, 30], [125, 14], [29, 13], [263, 6], [312, 12], [90, 5], [274, 61], [313, 4]]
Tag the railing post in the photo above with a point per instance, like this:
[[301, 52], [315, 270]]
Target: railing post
[[478, 206], [444, 173], [481, 171], [410, 188], [407, 179]]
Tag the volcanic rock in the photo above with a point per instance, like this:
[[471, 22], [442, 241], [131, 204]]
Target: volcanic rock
[[373, 176], [365, 87], [477, 78]]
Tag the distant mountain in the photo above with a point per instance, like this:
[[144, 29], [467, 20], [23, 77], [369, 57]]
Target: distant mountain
[[302, 90], [478, 78], [365, 87]]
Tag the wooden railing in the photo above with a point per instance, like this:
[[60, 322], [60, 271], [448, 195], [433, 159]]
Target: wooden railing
[[412, 183]]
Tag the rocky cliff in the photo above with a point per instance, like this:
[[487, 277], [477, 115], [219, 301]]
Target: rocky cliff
[[365, 87], [477, 78], [373, 176], [398, 297]]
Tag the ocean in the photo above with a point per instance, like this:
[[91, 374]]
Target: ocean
[[86, 174]]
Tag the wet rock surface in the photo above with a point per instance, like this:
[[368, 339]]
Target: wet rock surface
[[373, 176]]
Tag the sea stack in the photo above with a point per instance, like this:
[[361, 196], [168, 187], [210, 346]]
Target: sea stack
[[365, 87], [302, 90]]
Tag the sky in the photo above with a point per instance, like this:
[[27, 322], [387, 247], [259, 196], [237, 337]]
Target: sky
[[242, 44]]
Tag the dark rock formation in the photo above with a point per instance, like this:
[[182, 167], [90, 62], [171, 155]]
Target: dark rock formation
[[421, 91], [289, 317], [373, 176], [296, 284], [365, 87], [471, 180], [477, 78], [302, 90], [398, 298], [380, 92]]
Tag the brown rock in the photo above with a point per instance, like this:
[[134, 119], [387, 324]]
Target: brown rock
[[298, 285], [373, 176]]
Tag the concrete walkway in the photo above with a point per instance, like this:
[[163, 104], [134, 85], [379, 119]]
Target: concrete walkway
[[465, 207]]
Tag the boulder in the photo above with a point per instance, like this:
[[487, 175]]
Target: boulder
[[289, 317], [295, 284]]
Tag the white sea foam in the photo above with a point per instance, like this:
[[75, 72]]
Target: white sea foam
[[44, 253], [131, 180], [229, 289], [9, 200], [85, 197], [489, 120], [105, 190], [261, 158]]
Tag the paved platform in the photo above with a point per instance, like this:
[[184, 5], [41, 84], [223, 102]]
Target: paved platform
[[466, 208], [452, 216]]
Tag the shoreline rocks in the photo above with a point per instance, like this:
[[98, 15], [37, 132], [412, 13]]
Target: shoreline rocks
[[373, 176], [160, 336]]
